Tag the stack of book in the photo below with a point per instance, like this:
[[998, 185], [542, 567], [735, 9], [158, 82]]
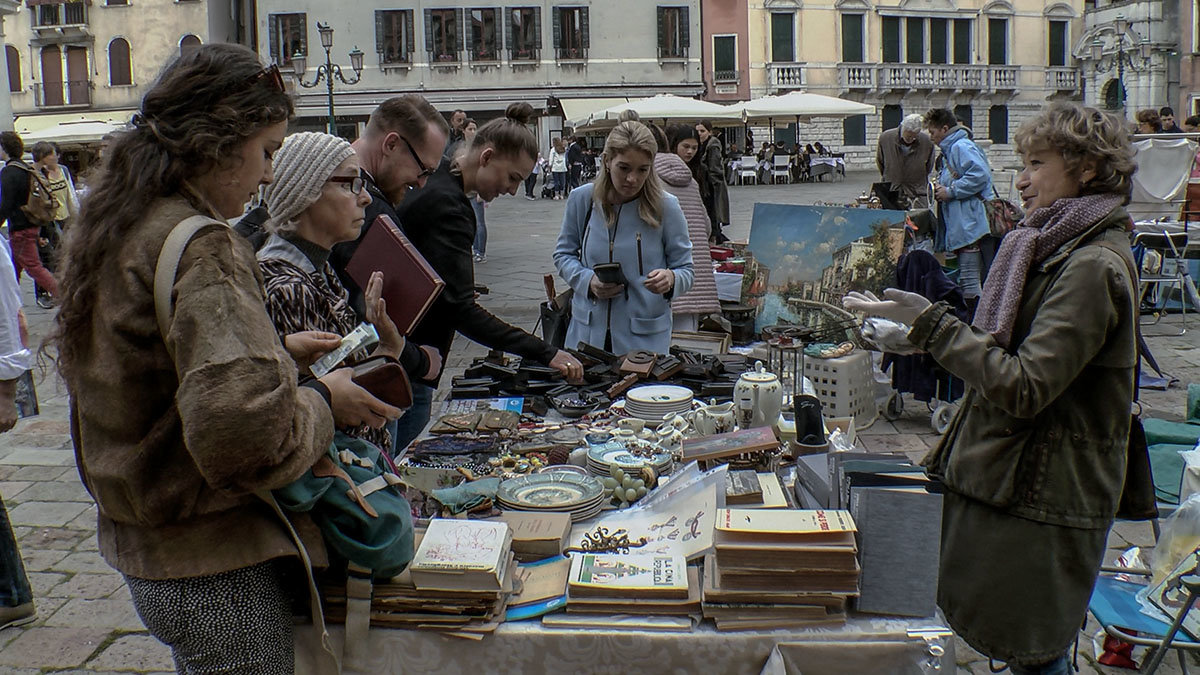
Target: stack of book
[[780, 568], [640, 584], [459, 582]]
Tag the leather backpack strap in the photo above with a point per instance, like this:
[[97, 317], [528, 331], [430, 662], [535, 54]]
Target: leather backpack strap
[[167, 268]]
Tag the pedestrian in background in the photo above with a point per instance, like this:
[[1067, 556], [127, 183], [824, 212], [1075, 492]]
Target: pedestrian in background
[[964, 182], [575, 159], [1166, 117], [58, 178], [1148, 121], [558, 167], [23, 233], [712, 181], [539, 166], [904, 157]]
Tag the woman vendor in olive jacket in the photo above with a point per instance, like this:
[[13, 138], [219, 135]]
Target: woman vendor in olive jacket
[[1034, 461]]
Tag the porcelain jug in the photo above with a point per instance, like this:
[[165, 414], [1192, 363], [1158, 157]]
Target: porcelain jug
[[715, 419], [757, 398]]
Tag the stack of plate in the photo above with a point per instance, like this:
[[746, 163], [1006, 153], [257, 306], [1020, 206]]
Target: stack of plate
[[654, 402], [602, 458], [581, 496]]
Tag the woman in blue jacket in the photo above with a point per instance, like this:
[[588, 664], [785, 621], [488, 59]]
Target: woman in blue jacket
[[624, 217]]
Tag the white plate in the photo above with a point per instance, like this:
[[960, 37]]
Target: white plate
[[660, 394]]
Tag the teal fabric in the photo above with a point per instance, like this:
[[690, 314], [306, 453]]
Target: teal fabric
[[1193, 404], [1167, 467], [1178, 433], [382, 544], [467, 495]]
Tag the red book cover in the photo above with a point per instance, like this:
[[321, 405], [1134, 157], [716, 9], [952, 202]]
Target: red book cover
[[409, 283]]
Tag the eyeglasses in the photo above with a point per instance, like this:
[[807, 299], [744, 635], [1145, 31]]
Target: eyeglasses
[[271, 74], [356, 183], [425, 171]]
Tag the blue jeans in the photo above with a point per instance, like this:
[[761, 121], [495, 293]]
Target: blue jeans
[[413, 423], [559, 181], [14, 585], [480, 244], [970, 271], [1059, 666]]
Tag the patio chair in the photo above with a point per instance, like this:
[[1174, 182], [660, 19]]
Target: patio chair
[[1115, 605], [1172, 247], [781, 166], [747, 168]]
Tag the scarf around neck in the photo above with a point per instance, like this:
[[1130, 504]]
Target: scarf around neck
[[1041, 233]]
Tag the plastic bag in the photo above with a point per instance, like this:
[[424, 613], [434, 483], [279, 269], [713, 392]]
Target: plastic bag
[[1179, 537]]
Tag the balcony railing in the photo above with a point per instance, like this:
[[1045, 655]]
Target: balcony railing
[[1062, 78], [524, 54], [786, 75], [725, 76], [928, 77], [62, 94], [447, 58], [57, 15]]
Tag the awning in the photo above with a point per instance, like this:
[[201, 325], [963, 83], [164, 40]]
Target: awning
[[577, 110], [35, 3], [79, 127]]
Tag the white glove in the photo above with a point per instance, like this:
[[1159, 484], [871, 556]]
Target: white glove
[[899, 306], [888, 336]]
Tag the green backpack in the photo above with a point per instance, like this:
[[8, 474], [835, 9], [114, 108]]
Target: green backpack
[[356, 500]]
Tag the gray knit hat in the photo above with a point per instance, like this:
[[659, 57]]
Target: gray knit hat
[[302, 165]]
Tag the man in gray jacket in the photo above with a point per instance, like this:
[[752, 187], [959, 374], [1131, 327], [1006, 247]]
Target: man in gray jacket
[[905, 158]]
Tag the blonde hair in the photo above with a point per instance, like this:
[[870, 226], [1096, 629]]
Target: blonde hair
[[1083, 136], [629, 135]]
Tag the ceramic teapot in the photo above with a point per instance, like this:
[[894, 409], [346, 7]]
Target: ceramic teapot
[[757, 398]]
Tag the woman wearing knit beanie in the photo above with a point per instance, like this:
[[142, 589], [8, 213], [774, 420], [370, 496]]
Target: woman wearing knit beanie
[[317, 200]]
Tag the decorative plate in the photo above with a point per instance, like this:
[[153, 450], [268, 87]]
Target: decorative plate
[[659, 394], [550, 491]]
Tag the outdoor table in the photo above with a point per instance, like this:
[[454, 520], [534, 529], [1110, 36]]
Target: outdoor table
[[864, 644], [819, 166]]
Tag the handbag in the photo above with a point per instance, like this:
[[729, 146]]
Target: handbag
[[1002, 215], [554, 314]]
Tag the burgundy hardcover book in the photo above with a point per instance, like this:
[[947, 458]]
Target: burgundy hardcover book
[[409, 284]]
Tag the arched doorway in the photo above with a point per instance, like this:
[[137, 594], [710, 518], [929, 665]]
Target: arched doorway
[[1114, 94], [188, 43]]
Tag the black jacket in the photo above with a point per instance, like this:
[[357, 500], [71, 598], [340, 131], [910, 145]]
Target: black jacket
[[14, 193], [440, 222]]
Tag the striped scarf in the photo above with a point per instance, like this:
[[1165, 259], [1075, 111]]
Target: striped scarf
[[1041, 233]]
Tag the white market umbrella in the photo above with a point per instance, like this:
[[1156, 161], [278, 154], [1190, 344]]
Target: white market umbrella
[[801, 105], [664, 107], [73, 132]]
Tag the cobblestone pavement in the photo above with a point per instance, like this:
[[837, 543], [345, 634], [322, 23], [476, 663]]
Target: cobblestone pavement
[[86, 622]]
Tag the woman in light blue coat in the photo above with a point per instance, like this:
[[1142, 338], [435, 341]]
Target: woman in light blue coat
[[963, 183], [627, 218]]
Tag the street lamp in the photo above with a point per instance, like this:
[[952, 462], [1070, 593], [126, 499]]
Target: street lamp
[[328, 70], [1122, 59]]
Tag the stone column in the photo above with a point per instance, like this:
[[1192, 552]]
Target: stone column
[[7, 8]]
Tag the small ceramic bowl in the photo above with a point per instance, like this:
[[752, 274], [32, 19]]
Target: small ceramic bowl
[[573, 406]]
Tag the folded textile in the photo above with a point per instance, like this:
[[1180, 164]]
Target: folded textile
[[467, 495]]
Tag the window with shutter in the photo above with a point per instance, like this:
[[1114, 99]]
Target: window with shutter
[[583, 28], [998, 124], [1057, 49], [997, 42], [120, 70], [783, 37], [393, 35], [965, 115], [854, 130], [725, 58], [914, 40], [891, 39], [14, 68], [289, 36], [444, 35], [962, 40], [483, 42], [938, 42], [525, 39], [571, 32], [188, 44], [852, 38], [672, 32]]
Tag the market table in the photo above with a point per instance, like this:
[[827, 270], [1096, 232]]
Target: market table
[[864, 645], [819, 166]]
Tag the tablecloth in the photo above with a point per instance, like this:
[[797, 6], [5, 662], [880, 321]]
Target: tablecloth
[[729, 286], [528, 647]]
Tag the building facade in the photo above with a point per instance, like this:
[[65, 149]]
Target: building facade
[[85, 60], [567, 58], [994, 62], [1187, 98], [1128, 52], [726, 50]]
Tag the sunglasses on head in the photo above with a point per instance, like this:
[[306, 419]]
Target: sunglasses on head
[[426, 172], [271, 75]]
